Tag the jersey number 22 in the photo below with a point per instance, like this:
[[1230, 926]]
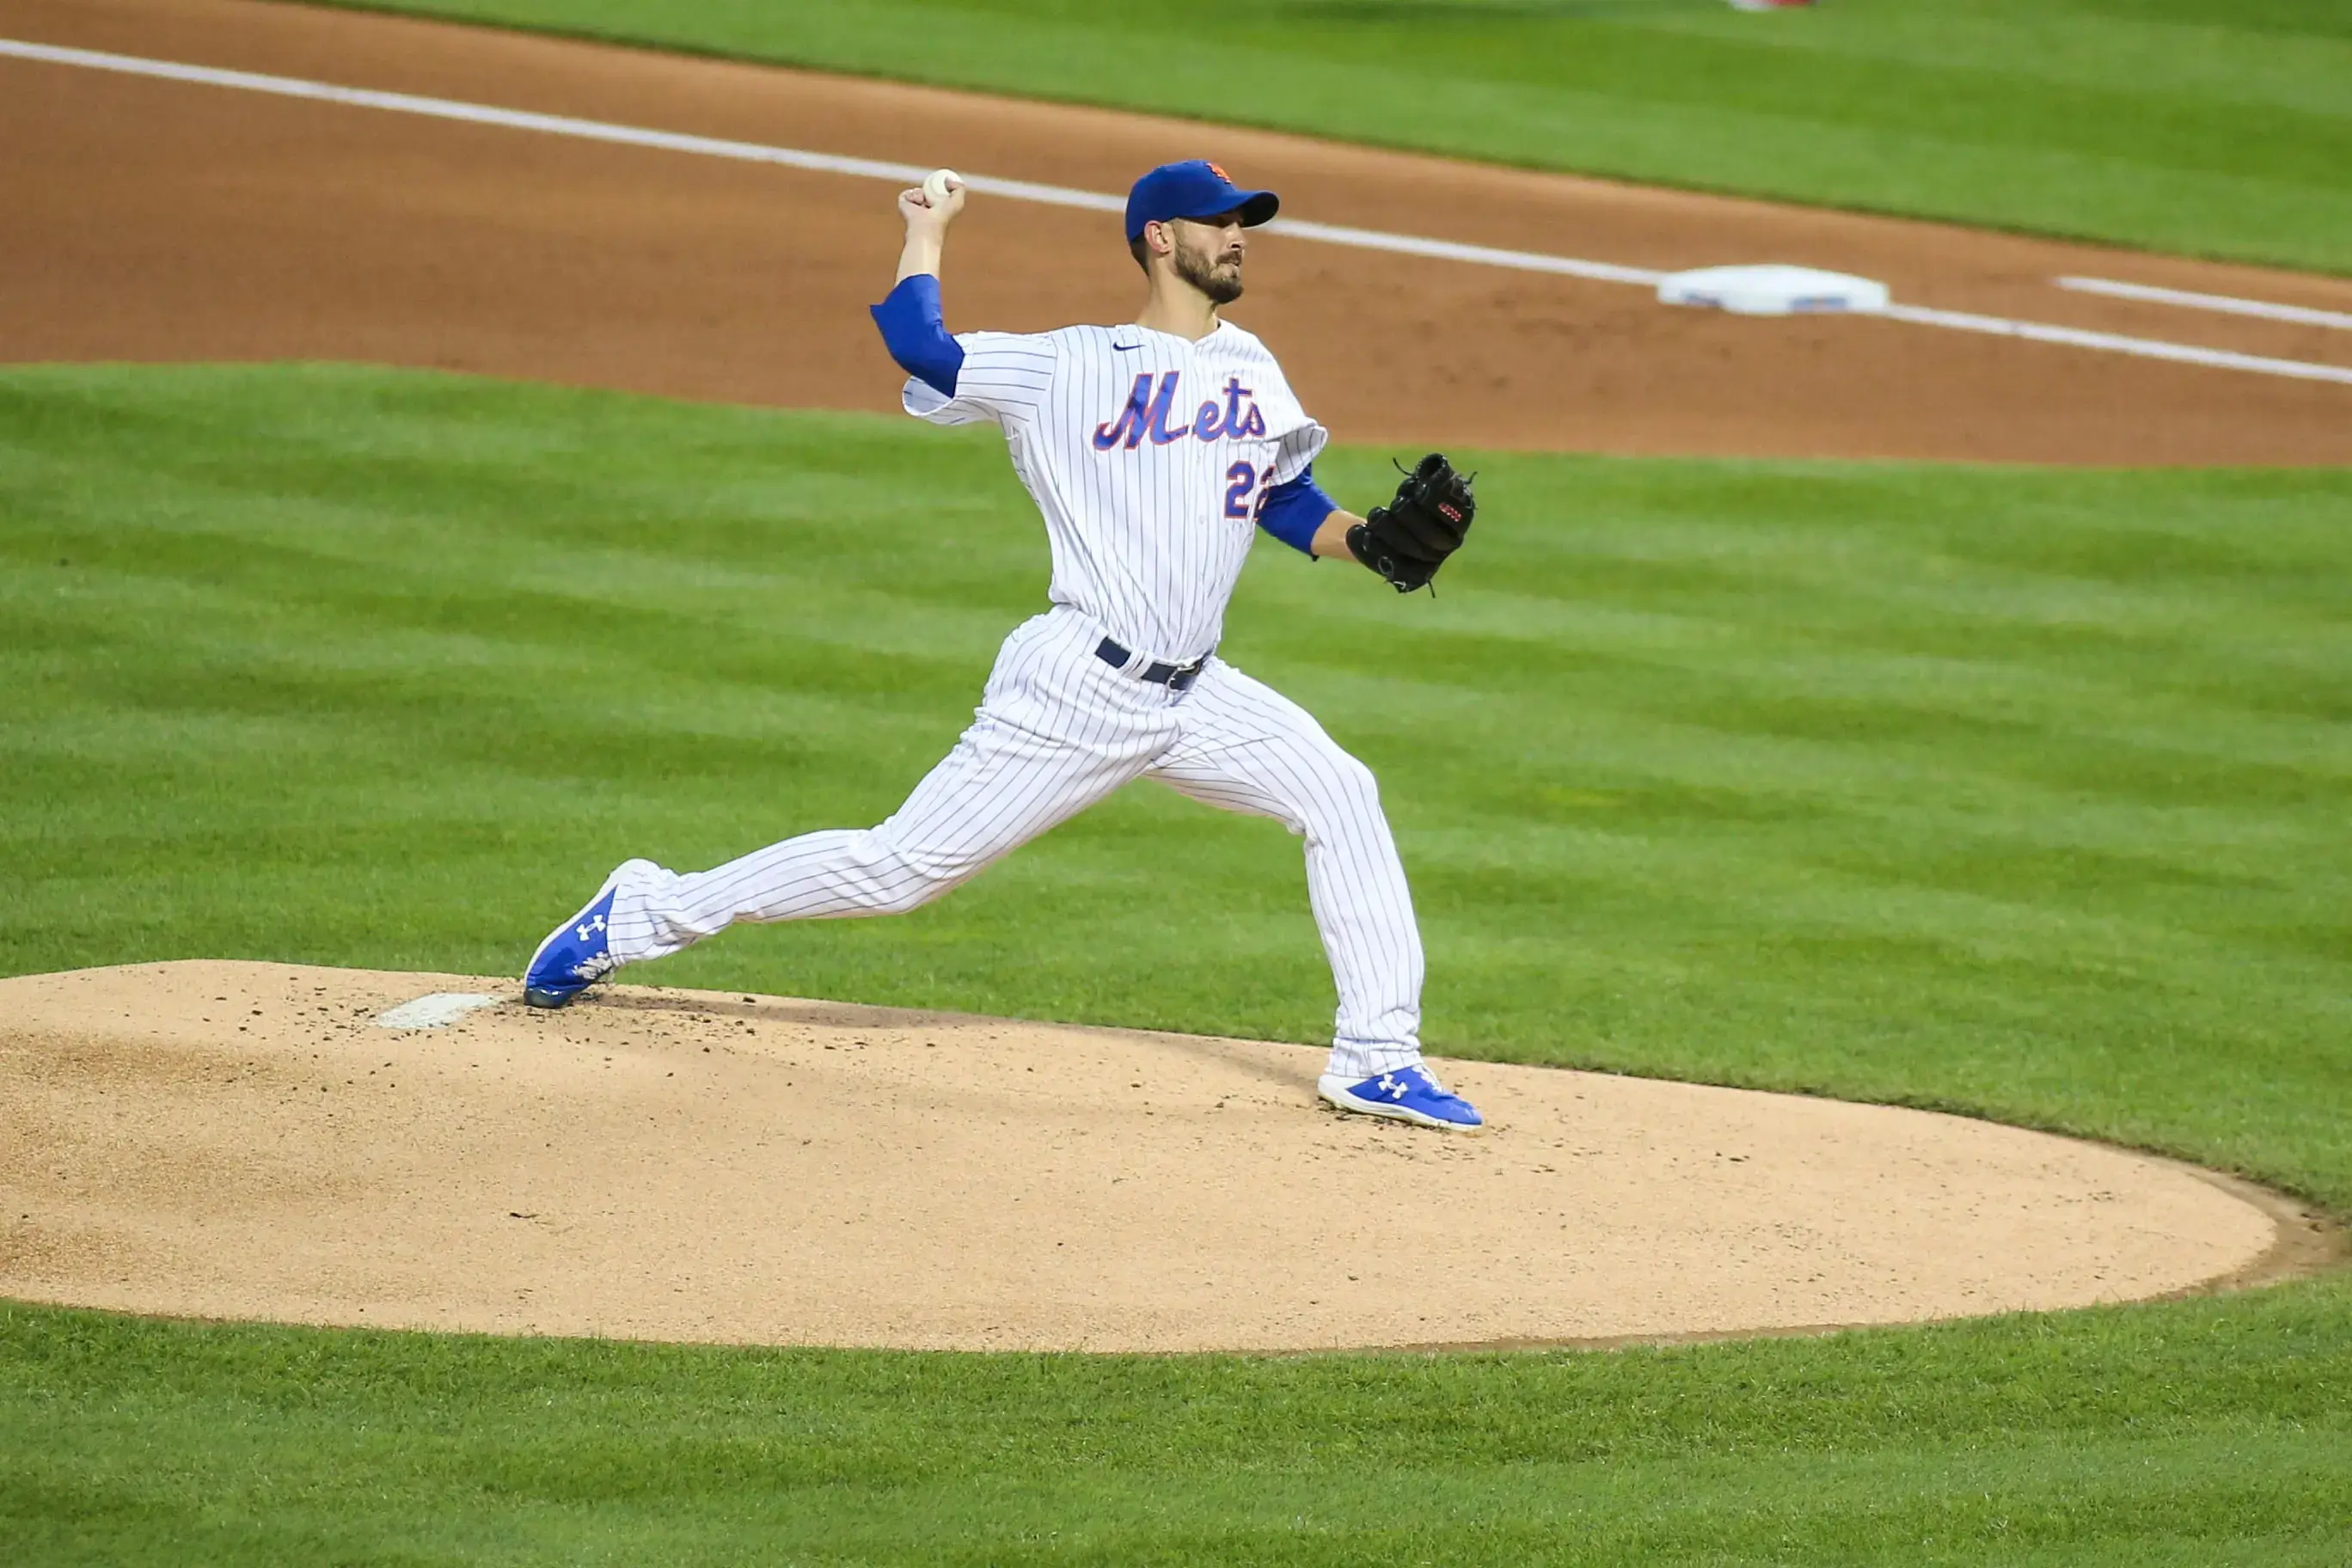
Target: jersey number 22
[[1241, 478]]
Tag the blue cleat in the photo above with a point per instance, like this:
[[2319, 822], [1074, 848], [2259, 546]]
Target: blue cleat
[[1409, 1094], [576, 954]]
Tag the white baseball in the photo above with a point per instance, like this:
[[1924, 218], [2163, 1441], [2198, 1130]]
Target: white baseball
[[935, 184]]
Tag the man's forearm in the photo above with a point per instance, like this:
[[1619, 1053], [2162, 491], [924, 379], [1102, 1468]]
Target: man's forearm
[[920, 253], [1330, 541]]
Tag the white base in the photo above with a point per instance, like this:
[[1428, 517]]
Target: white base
[[1771, 290]]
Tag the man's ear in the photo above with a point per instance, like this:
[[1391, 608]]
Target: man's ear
[[1163, 242]]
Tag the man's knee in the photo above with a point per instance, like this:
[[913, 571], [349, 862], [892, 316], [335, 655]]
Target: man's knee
[[1343, 793]]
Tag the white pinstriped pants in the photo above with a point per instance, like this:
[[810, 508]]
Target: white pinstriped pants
[[1057, 731]]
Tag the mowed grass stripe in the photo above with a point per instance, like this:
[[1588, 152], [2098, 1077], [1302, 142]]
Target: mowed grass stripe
[[2017, 792], [2184, 1434]]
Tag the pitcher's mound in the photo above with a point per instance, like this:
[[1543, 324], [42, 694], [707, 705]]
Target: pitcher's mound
[[249, 1141]]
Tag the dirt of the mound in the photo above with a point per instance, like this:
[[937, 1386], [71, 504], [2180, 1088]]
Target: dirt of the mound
[[156, 220], [233, 1140]]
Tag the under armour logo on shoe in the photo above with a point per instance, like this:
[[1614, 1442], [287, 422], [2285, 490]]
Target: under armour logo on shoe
[[1390, 1086], [591, 929]]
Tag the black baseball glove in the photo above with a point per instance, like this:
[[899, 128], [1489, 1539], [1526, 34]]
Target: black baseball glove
[[1409, 539]]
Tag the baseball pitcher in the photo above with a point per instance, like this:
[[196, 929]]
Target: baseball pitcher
[[1156, 451]]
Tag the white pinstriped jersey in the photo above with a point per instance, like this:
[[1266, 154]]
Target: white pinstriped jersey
[[1148, 456]]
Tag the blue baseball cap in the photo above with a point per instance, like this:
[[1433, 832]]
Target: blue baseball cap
[[1194, 188]]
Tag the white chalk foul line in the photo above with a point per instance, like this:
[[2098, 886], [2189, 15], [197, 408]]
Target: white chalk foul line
[[1449, 251], [550, 124], [1092, 201], [2143, 347], [2228, 304]]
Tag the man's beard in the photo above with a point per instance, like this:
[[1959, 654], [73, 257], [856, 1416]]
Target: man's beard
[[1223, 288]]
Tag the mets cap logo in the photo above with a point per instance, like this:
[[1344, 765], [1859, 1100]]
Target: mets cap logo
[[1219, 170]]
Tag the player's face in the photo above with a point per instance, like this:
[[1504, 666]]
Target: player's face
[[1208, 254]]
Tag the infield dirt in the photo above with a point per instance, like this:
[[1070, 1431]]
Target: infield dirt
[[160, 220], [247, 1141]]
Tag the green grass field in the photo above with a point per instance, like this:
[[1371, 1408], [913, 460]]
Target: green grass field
[[2187, 1435], [2013, 791], [2210, 127]]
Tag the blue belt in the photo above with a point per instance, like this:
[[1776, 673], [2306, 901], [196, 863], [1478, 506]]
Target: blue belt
[[1160, 672]]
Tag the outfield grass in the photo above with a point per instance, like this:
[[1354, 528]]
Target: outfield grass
[[2212, 127], [2017, 791]]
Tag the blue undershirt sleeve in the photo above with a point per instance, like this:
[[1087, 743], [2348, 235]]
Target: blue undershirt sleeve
[[1294, 509], [916, 333]]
